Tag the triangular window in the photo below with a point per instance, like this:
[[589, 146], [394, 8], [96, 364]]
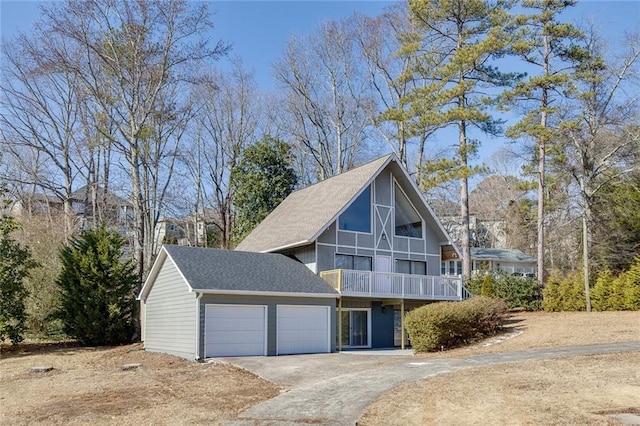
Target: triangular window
[[357, 217], [408, 221]]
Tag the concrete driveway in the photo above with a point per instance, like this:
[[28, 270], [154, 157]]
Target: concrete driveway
[[335, 388]]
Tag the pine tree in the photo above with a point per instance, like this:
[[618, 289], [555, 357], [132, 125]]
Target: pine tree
[[15, 263], [97, 289], [461, 39]]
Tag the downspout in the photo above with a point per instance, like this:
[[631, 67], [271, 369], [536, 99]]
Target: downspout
[[340, 324], [198, 297]]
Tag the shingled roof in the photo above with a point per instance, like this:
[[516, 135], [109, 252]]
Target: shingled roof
[[505, 255], [224, 271], [304, 214]]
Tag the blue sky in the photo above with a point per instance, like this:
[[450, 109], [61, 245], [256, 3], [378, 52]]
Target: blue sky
[[258, 30]]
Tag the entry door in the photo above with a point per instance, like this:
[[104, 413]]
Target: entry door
[[382, 281], [355, 328]]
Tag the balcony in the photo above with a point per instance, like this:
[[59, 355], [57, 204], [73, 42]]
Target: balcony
[[395, 286]]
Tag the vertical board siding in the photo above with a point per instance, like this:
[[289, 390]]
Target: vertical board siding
[[170, 325]]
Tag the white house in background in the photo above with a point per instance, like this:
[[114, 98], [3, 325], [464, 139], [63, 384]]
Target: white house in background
[[369, 233], [509, 261]]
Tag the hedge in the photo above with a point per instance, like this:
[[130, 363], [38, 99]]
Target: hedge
[[608, 293], [517, 292], [447, 324]]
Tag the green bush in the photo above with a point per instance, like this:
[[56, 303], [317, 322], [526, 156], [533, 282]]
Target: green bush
[[564, 293], [447, 324], [487, 286], [609, 293], [97, 289], [517, 292]]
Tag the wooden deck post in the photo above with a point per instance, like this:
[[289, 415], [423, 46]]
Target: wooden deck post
[[402, 323], [340, 324]]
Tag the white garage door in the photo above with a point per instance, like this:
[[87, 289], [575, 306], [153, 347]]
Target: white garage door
[[303, 329], [235, 330]]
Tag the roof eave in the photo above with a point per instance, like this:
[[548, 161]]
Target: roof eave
[[266, 293]]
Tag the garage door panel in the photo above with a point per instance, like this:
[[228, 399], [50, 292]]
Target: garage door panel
[[235, 330], [303, 329]]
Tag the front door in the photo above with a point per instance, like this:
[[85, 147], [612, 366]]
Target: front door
[[355, 328], [382, 278]]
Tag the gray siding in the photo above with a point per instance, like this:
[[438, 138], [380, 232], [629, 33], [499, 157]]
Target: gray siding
[[170, 315], [306, 255], [329, 235], [383, 188], [271, 302], [326, 260]]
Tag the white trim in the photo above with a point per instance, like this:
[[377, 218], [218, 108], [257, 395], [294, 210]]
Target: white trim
[[335, 217], [328, 309], [424, 222], [266, 323], [161, 258], [198, 297], [287, 246], [269, 293], [371, 214]]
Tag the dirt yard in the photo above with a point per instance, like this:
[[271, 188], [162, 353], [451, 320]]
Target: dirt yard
[[566, 391], [89, 386]]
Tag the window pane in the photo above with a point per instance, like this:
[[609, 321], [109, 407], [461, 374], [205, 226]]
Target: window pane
[[344, 261], [452, 267], [443, 268], [459, 267], [358, 216], [408, 221], [403, 267], [419, 268], [362, 263]]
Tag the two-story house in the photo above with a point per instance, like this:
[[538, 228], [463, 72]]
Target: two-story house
[[369, 233]]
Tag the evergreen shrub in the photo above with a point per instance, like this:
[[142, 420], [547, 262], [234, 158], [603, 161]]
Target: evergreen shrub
[[517, 292], [97, 289], [447, 324]]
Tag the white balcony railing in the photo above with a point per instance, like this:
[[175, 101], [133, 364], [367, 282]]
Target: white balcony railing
[[391, 285]]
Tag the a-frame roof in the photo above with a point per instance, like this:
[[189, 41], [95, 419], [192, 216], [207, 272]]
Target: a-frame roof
[[306, 213]]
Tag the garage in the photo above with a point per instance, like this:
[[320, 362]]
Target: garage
[[303, 329], [203, 303], [235, 330]]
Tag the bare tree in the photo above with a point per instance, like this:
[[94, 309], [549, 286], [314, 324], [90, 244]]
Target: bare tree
[[326, 105], [380, 42], [136, 62], [228, 120], [40, 120]]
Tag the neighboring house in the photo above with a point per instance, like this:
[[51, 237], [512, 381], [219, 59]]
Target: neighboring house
[[98, 205], [483, 232], [369, 233], [200, 303], [506, 260], [170, 231]]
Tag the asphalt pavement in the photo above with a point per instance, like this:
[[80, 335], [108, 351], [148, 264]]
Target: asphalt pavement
[[335, 389]]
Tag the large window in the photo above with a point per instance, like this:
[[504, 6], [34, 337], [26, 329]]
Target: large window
[[451, 267], [349, 261], [411, 267], [358, 216], [408, 221]]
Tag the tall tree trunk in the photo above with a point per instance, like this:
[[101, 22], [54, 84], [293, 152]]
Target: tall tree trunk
[[464, 202]]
